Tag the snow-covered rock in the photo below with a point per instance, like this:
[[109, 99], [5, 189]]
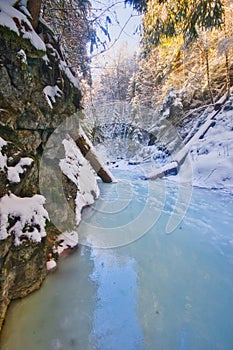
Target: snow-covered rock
[[51, 93], [79, 171], [206, 156], [66, 240], [212, 156], [17, 22], [15, 169], [51, 265], [168, 169], [24, 218], [172, 106], [28, 90]]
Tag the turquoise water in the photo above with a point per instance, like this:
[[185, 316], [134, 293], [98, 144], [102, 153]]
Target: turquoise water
[[148, 290]]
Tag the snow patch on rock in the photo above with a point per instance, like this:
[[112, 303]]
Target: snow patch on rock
[[25, 218], [51, 265], [3, 157], [51, 92], [8, 16], [66, 240], [13, 172], [21, 54], [79, 171]]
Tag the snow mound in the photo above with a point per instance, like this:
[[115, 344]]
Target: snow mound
[[51, 265], [25, 218]]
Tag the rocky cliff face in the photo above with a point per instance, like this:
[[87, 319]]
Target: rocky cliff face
[[37, 93]]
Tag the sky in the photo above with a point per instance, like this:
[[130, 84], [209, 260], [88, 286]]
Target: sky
[[129, 34], [123, 31]]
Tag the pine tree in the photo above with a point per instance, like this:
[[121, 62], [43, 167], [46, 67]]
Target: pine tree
[[226, 44], [172, 18], [115, 77], [139, 5]]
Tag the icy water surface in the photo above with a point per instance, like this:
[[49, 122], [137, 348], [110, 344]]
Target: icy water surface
[[156, 291]]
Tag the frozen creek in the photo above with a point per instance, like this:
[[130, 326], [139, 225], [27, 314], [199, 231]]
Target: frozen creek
[[150, 291]]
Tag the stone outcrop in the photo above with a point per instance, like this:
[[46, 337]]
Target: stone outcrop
[[22, 270], [37, 93]]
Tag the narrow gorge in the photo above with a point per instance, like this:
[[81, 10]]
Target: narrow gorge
[[38, 92]]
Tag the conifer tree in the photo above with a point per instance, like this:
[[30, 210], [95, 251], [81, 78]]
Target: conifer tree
[[172, 18]]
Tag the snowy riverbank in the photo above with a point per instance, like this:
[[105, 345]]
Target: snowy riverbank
[[212, 156], [209, 163], [210, 160]]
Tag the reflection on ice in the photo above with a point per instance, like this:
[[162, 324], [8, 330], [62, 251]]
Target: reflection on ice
[[159, 292], [116, 309]]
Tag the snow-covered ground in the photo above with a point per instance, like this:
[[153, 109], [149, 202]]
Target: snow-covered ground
[[209, 163], [212, 157]]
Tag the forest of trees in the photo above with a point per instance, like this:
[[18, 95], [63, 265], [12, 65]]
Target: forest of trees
[[186, 45], [80, 28]]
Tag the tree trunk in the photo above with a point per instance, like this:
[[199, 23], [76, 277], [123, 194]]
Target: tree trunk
[[89, 153], [34, 7], [208, 75], [228, 83], [227, 65]]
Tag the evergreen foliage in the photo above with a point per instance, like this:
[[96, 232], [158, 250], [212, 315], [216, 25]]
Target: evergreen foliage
[[186, 18], [167, 18], [184, 47], [139, 5]]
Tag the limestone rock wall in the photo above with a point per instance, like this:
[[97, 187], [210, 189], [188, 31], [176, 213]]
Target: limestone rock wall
[[37, 92]]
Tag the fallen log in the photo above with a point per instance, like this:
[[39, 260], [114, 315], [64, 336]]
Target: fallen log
[[88, 151], [168, 169]]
